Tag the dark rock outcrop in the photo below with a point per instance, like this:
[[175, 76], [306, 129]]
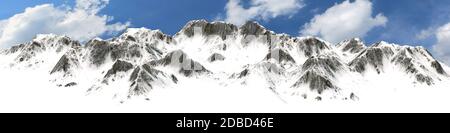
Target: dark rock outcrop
[[216, 57], [70, 84], [143, 78], [311, 46], [244, 73], [180, 60], [373, 56], [62, 65], [119, 66], [67, 62], [252, 31], [437, 66], [327, 64], [316, 81], [99, 49], [405, 59], [221, 29], [353, 46], [142, 35], [280, 56], [318, 73], [252, 28], [424, 79]]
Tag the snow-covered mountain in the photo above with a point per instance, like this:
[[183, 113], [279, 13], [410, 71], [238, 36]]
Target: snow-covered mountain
[[140, 60]]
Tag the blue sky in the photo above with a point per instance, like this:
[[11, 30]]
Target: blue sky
[[405, 19]]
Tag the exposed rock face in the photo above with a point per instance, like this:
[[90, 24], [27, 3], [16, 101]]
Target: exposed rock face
[[252, 31], [242, 74], [424, 79], [67, 62], [29, 51], [280, 56], [436, 65], [14, 49], [318, 72], [373, 56], [119, 66], [221, 29], [141, 42], [354, 45], [70, 84], [41, 44], [145, 78], [216, 57], [353, 96], [126, 51], [402, 59], [252, 28], [62, 65], [418, 62], [143, 35], [180, 60], [99, 49], [311, 46], [328, 64], [406, 62], [316, 81], [55, 41]]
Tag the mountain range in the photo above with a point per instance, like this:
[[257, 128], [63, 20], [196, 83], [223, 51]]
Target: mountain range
[[141, 60]]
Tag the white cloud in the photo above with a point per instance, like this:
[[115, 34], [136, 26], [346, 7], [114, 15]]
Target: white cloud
[[260, 9], [343, 21], [91, 6], [2, 24], [442, 47], [82, 22], [426, 33]]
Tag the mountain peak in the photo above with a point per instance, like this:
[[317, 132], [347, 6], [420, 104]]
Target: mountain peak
[[252, 28], [53, 39], [354, 45], [143, 35], [381, 44], [205, 28]]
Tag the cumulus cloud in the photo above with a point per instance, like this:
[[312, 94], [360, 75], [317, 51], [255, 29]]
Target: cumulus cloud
[[81, 22], [442, 47], [260, 9], [343, 21], [426, 33]]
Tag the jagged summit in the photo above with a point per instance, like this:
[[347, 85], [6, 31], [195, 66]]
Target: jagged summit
[[30, 54], [222, 29], [310, 46], [354, 45], [44, 42], [143, 35], [206, 28], [253, 28]]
